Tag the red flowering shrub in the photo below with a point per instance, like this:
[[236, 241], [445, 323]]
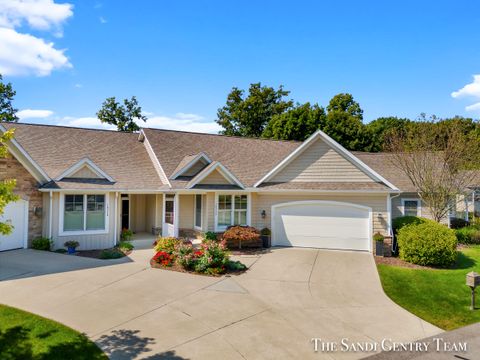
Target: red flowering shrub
[[242, 235], [163, 258]]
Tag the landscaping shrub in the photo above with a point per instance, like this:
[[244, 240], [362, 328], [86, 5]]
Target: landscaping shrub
[[238, 236], [163, 258], [265, 232], [428, 243], [468, 235], [378, 237], [167, 244], [111, 254], [458, 223], [236, 266], [402, 221], [210, 235], [187, 256], [213, 259], [125, 246], [126, 235], [42, 243]]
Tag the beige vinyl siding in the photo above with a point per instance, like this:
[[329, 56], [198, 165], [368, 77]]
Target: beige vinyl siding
[[137, 213], [320, 163], [215, 178], [210, 207], [196, 168], [150, 212], [378, 203], [45, 214], [159, 211], [185, 221], [87, 242], [84, 173]]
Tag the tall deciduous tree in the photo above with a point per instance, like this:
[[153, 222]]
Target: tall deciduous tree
[[249, 115], [6, 185], [379, 129], [438, 163], [121, 116], [7, 111], [297, 123]]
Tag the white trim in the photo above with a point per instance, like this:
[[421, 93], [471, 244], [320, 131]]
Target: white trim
[[40, 175], [176, 212], [25, 230], [195, 212], [323, 202], [115, 214], [153, 157], [190, 164], [335, 145], [419, 205], [50, 215], [208, 170], [218, 228], [89, 164], [61, 211]]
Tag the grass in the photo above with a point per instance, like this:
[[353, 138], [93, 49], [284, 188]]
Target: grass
[[437, 296], [30, 337]]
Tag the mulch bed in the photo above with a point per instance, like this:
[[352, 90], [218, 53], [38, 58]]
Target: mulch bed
[[95, 254], [395, 261], [179, 268]]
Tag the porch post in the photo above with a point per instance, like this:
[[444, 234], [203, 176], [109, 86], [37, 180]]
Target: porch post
[[50, 214], [176, 214], [115, 220]]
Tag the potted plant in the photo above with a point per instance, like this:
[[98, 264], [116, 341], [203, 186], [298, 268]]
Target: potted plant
[[71, 245], [126, 235], [265, 234], [378, 238]]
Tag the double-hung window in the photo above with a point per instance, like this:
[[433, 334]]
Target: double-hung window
[[84, 213], [231, 210], [411, 207]]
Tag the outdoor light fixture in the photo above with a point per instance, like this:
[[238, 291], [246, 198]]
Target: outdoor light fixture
[[264, 214], [473, 280]]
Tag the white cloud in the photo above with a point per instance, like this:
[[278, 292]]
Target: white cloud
[[181, 121], [34, 114], [38, 14], [24, 54], [78, 86], [474, 107], [102, 20], [472, 89]]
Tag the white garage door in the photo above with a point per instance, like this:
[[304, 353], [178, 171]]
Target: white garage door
[[321, 224], [16, 214]]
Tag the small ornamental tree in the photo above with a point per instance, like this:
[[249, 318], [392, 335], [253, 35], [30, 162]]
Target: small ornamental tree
[[7, 185], [242, 234]]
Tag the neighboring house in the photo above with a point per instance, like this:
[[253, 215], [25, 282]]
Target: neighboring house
[[86, 185]]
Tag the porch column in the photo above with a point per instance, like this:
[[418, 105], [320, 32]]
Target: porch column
[[176, 214]]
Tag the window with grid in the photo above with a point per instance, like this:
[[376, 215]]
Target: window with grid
[[224, 210], [84, 212]]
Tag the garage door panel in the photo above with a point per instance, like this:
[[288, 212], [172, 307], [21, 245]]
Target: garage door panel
[[322, 225], [16, 215]]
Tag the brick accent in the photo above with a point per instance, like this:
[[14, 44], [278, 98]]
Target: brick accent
[[27, 189]]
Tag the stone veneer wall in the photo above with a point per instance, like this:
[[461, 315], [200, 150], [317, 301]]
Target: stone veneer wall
[[27, 189]]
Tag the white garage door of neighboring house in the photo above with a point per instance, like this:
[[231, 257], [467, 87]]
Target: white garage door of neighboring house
[[16, 214], [322, 224]]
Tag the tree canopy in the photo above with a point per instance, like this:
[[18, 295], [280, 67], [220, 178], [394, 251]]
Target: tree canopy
[[121, 116], [7, 111], [6, 186], [249, 115]]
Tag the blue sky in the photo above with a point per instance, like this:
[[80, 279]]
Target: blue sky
[[181, 58]]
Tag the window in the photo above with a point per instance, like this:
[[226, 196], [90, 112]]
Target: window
[[198, 211], [169, 213], [411, 207], [232, 210], [84, 213]]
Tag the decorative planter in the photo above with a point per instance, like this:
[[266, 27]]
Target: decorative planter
[[266, 241], [71, 250], [379, 248]]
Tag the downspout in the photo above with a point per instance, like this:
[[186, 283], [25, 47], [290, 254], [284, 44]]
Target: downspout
[[390, 220], [115, 220], [50, 215]]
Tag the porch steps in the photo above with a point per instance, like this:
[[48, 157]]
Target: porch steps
[[142, 244]]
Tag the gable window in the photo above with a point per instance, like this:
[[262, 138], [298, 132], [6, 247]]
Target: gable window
[[411, 207], [84, 213], [198, 211], [231, 210]]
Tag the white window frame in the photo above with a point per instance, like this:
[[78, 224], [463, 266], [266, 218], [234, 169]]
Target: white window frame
[[195, 211], [419, 206], [61, 230], [233, 194]]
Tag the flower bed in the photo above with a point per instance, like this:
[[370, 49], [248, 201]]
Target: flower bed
[[212, 258]]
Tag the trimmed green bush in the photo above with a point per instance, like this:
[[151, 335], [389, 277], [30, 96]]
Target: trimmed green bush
[[458, 223], [378, 237], [111, 254], [402, 221], [428, 243], [167, 244], [210, 235], [42, 243], [125, 246], [468, 235]]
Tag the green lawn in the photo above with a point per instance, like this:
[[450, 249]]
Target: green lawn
[[437, 296], [27, 336]]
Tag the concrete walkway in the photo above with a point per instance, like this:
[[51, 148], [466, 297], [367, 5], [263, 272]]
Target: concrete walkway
[[272, 311]]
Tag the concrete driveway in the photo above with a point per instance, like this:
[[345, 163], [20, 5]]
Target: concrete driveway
[[286, 298]]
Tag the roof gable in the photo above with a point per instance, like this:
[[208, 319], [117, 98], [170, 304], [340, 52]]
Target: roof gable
[[191, 165], [85, 169], [316, 159], [215, 174]]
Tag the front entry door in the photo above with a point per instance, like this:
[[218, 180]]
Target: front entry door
[[168, 228], [125, 213]]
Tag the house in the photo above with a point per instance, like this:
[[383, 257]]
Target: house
[[88, 185]]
